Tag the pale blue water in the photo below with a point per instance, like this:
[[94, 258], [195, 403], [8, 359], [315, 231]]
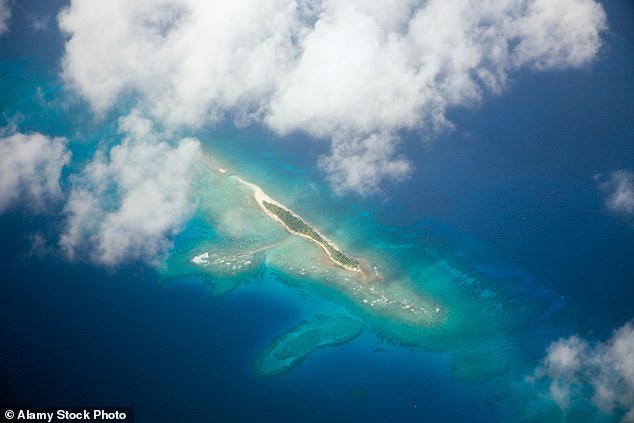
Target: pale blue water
[[506, 205]]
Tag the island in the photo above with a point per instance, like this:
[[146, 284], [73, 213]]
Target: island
[[366, 286], [366, 291], [295, 224]]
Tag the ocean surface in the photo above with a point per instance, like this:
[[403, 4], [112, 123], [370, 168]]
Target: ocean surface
[[502, 225]]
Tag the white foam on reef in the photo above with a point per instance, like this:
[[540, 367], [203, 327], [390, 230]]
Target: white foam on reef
[[201, 258]]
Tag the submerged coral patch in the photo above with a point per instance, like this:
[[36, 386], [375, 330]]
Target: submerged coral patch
[[288, 350]]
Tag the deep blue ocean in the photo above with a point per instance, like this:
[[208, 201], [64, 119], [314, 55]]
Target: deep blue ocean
[[509, 196]]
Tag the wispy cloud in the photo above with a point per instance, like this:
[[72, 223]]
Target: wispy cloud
[[5, 16], [618, 188], [40, 22], [344, 71], [130, 201], [577, 371], [30, 170]]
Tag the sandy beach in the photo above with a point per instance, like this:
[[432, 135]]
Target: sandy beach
[[260, 197]]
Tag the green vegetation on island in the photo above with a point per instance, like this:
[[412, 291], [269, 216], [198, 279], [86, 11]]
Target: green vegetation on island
[[296, 224]]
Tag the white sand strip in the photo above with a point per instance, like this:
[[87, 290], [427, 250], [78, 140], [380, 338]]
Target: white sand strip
[[260, 197]]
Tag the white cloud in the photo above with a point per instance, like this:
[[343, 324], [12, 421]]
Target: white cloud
[[573, 365], [361, 164], [5, 16], [191, 61], [552, 34], [618, 188], [30, 170], [128, 203], [345, 70]]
